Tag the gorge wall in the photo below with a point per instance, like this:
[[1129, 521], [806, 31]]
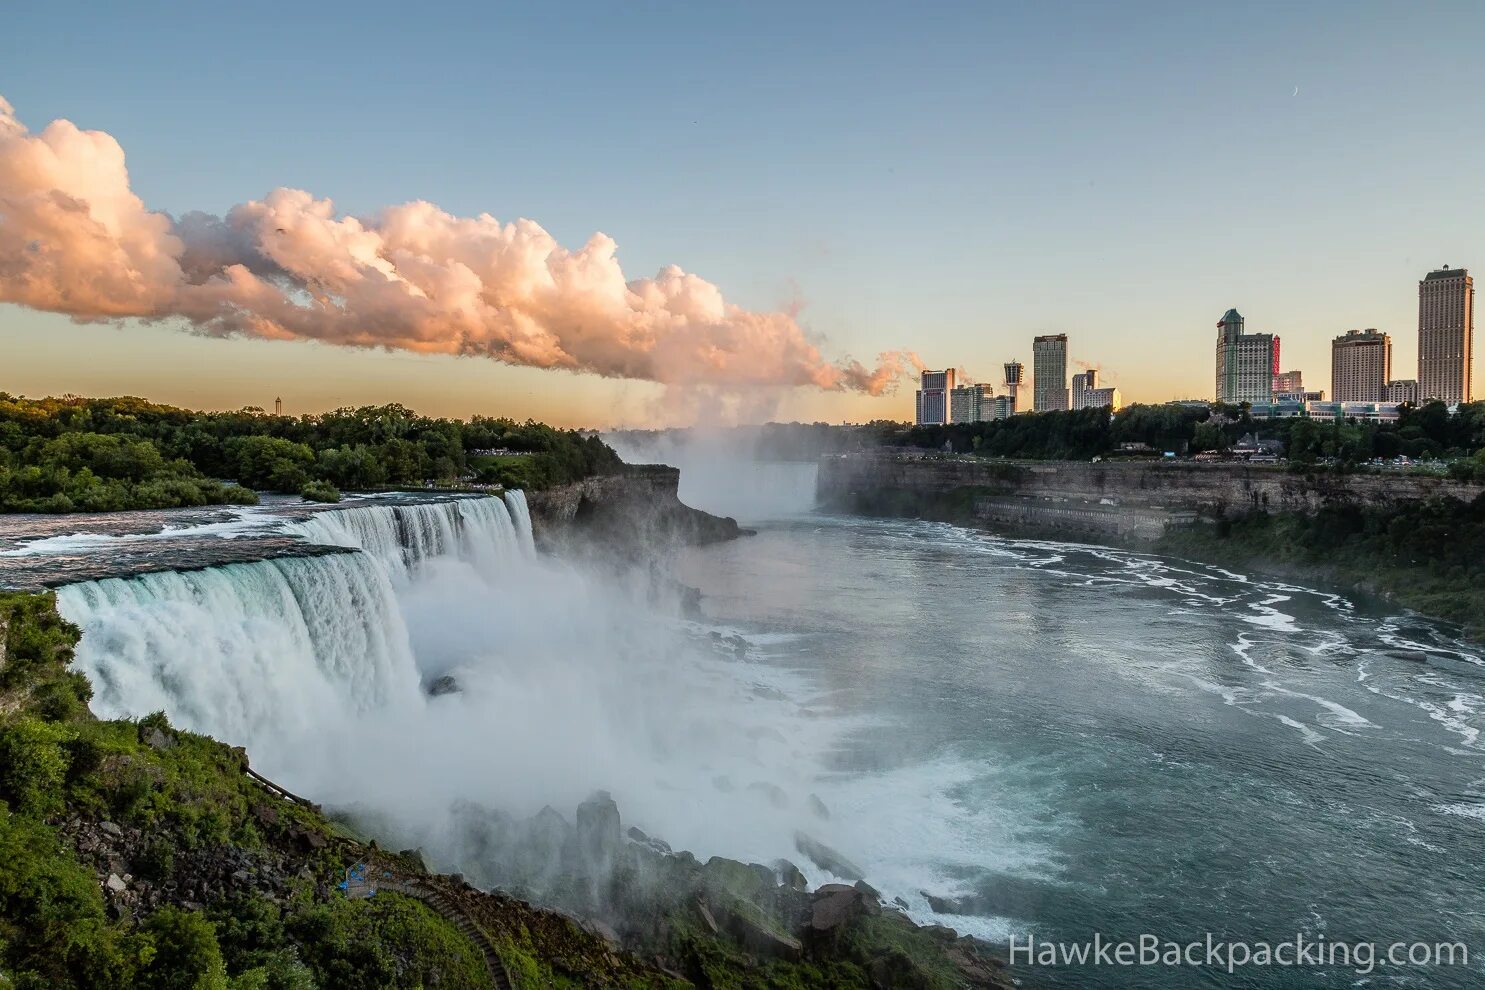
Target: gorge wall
[[1134, 499]]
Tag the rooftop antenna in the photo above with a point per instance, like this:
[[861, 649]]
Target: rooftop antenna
[[278, 406]]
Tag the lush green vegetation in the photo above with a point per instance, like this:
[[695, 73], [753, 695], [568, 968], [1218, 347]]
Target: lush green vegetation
[[1427, 432], [182, 807], [73, 454]]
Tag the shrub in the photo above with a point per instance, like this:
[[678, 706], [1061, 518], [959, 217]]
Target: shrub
[[320, 491]]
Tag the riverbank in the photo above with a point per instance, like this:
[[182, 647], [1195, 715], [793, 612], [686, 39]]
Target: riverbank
[[1418, 541]]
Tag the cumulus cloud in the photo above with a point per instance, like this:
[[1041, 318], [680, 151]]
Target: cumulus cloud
[[75, 239]]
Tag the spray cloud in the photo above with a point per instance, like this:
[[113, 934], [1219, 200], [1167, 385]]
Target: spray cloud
[[75, 239]]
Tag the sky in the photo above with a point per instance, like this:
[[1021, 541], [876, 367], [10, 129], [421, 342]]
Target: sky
[[945, 179]]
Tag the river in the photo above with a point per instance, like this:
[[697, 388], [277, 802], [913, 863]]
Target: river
[[1015, 738], [1062, 739]]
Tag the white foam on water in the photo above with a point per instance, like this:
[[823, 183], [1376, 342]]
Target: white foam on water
[[1473, 811]]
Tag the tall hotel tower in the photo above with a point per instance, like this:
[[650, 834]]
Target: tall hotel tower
[[1446, 335], [1247, 363], [1360, 366], [1049, 372]]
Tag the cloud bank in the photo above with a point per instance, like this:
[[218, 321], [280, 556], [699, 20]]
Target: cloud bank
[[75, 239]]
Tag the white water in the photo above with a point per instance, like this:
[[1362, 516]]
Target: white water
[[568, 683]]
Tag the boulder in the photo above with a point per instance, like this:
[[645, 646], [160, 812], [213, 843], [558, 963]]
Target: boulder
[[598, 835], [155, 739], [835, 904], [116, 884], [827, 858], [443, 685], [638, 835], [790, 875], [757, 936]]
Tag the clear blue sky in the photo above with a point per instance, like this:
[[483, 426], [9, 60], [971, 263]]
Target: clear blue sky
[[951, 180]]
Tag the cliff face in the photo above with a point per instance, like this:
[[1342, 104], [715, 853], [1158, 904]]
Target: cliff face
[[638, 510], [1211, 490]]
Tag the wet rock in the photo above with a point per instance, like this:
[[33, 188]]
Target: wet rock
[[706, 917], [597, 834], [790, 875], [757, 937], [835, 904], [651, 843], [443, 685], [817, 807], [827, 858]]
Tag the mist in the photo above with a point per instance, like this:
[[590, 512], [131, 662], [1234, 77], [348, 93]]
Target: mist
[[741, 472], [565, 681]]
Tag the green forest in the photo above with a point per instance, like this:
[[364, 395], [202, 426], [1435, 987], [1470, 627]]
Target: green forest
[[74, 454], [1426, 432]]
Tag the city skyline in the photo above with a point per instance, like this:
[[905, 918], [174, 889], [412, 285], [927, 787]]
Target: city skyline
[[963, 215]]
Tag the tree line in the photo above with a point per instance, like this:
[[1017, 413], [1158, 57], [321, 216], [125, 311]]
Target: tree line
[[1429, 431], [74, 454]]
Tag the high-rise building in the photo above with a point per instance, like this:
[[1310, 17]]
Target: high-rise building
[[964, 404], [1403, 390], [1049, 372], [984, 402], [1360, 366], [1289, 381], [1446, 335], [933, 397], [1086, 393], [1081, 382], [1014, 384], [1002, 407], [1247, 363], [972, 403]]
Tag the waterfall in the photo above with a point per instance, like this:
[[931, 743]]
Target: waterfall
[[266, 652], [560, 681], [230, 651], [486, 532]]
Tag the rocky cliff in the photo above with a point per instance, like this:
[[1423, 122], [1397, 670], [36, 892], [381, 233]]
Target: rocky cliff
[[1210, 490], [638, 510]]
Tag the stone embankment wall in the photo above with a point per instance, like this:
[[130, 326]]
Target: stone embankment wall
[[1134, 499]]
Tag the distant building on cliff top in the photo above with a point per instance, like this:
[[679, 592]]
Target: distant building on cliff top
[[1086, 393], [1049, 372], [1247, 363], [1360, 366], [1446, 335], [933, 397], [1403, 390]]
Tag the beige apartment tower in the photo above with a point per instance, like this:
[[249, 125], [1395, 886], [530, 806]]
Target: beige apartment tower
[[1446, 335], [1360, 366], [1049, 373]]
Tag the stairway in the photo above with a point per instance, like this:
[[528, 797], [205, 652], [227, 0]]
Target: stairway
[[450, 911]]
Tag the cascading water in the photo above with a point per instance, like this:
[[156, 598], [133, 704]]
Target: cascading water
[[565, 682], [483, 531], [230, 650]]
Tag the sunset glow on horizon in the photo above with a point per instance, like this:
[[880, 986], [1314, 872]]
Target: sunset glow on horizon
[[802, 225]]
